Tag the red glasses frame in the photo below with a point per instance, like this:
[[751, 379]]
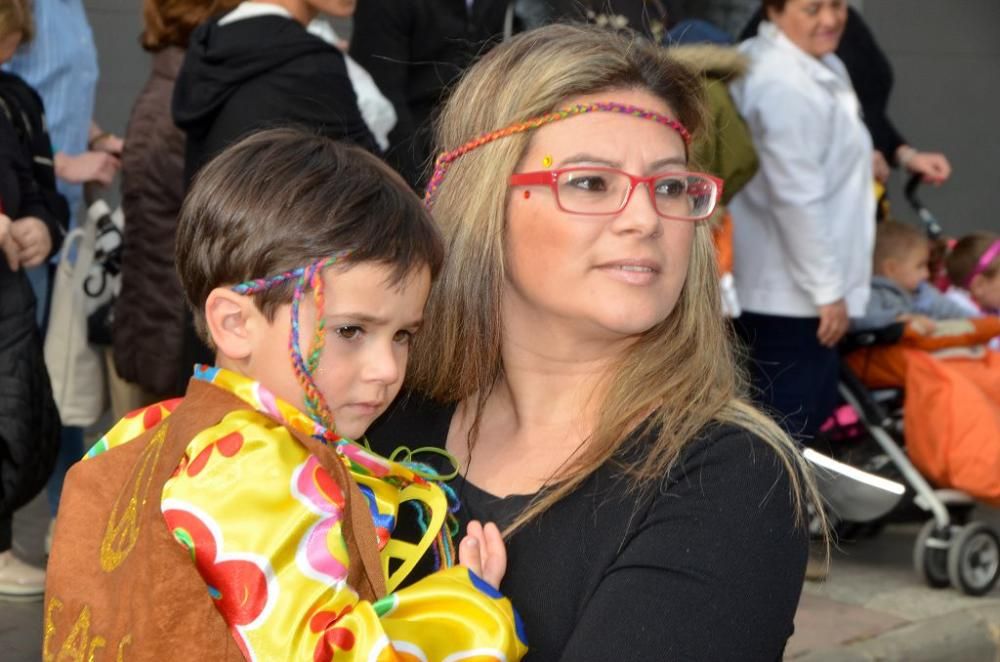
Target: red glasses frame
[[550, 178]]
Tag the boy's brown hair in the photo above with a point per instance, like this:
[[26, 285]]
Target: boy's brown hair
[[16, 16], [284, 198], [895, 240], [965, 256]]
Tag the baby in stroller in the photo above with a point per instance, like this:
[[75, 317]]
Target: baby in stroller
[[900, 291]]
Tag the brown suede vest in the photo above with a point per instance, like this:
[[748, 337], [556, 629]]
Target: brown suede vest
[[120, 587]]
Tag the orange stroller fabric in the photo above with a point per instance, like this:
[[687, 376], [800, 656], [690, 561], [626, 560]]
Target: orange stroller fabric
[[951, 410]]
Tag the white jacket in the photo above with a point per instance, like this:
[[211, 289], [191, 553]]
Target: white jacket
[[804, 226]]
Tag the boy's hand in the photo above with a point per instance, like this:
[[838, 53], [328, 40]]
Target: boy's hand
[[921, 323], [8, 246], [33, 240], [483, 552]]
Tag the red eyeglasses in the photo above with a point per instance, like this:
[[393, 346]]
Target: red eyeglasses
[[597, 191]]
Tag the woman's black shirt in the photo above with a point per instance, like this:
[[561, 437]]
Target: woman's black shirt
[[706, 566]]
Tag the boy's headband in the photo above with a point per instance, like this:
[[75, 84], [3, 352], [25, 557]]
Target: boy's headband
[[984, 263], [445, 159], [307, 277]]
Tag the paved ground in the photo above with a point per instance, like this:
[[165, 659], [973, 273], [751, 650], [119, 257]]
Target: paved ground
[[871, 590]]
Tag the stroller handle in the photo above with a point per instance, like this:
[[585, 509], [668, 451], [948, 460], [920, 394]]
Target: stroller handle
[[931, 225]]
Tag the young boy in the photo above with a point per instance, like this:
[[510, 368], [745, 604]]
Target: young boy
[[899, 289], [241, 521]]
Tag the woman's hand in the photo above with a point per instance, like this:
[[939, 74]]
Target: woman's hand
[[33, 240], [833, 323], [483, 552], [99, 167], [880, 167], [107, 142], [934, 167], [8, 246]]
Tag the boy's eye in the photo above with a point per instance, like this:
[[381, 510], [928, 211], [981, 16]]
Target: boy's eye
[[349, 332], [403, 337]]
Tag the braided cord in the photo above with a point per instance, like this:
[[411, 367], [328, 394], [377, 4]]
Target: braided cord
[[445, 159]]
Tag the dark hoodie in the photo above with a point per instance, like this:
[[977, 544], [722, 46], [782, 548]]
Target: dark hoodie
[[258, 73]]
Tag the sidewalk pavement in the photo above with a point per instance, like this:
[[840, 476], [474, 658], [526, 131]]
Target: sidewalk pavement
[[871, 607]]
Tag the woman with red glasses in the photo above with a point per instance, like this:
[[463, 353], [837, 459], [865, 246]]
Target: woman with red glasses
[[575, 363]]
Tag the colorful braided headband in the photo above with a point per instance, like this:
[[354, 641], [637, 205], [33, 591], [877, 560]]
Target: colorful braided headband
[[990, 254], [311, 277], [445, 159]]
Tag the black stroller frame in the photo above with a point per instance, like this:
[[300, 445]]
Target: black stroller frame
[[950, 550]]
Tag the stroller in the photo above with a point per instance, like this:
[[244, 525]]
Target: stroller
[[950, 550]]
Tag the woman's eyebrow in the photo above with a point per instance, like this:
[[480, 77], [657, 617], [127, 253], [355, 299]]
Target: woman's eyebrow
[[671, 161], [583, 157]]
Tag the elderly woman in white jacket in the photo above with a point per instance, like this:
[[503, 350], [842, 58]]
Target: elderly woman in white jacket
[[804, 226]]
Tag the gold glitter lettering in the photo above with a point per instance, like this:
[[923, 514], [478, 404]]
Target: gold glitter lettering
[[55, 604], [95, 643], [125, 641], [75, 646], [122, 531]]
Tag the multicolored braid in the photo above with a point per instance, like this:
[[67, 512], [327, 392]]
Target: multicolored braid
[[309, 277], [445, 159]]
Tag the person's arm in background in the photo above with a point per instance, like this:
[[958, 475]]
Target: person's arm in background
[[381, 43], [871, 76], [790, 143], [35, 229], [714, 572]]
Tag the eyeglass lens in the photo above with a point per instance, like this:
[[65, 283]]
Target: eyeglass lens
[[675, 195]]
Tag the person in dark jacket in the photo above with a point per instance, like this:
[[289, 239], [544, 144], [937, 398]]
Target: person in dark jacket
[[32, 223], [871, 77], [415, 50], [254, 68], [150, 311]]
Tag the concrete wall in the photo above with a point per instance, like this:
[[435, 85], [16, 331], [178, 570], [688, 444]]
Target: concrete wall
[[946, 57]]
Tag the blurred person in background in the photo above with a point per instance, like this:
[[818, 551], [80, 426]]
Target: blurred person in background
[[871, 75], [254, 68], [33, 219], [415, 51], [150, 312], [61, 64], [804, 225]]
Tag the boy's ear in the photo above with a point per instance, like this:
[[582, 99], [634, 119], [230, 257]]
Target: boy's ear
[[228, 318], [889, 268]]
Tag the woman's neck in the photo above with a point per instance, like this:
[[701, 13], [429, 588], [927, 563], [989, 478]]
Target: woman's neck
[[300, 10]]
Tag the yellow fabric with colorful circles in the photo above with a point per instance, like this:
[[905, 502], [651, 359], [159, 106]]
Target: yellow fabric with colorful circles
[[261, 520]]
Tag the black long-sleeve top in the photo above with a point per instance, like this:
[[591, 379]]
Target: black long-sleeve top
[[707, 565]]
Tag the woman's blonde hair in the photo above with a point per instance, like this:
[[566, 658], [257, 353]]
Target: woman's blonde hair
[[16, 16], [683, 369]]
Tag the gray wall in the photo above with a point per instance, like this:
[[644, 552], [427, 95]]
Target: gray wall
[[947, 94], [946, 57]]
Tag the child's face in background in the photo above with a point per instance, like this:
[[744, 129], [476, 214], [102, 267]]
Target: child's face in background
[[369, 326], [912, 269], [985, 290]]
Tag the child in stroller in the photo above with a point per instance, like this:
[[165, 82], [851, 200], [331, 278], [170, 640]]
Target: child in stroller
[[950, 412]]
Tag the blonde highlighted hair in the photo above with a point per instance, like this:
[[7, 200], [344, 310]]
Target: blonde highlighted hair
[[16, 16], [683, 369]]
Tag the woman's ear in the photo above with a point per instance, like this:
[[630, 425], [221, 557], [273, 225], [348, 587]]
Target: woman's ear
[[228, 317]]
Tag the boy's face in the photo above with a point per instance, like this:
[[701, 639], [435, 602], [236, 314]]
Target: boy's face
[[369, 326], [911, 269]]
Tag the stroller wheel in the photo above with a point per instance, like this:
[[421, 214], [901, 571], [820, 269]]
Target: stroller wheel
[[930, 556], [974, 559]]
